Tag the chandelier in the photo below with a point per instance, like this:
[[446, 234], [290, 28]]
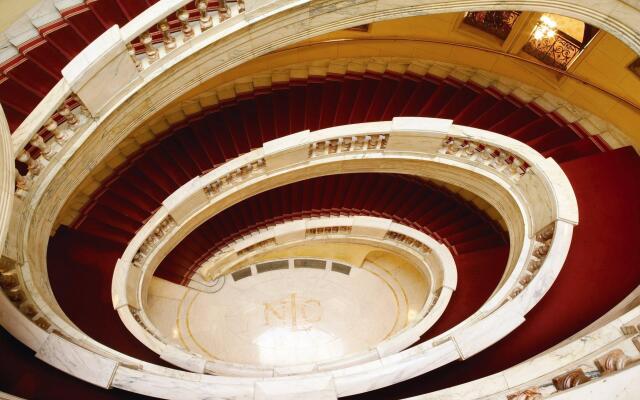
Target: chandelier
[[545, 29]]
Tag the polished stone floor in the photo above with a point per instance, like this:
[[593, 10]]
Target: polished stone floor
[[286, 317]]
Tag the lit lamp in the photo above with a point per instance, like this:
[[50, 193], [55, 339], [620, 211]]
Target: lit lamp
[[545, 29]]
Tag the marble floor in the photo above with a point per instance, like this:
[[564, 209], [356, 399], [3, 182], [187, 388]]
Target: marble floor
[[286, 317]]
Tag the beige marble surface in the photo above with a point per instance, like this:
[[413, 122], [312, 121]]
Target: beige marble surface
[[315, 21], [620, 386], [411, 281], [485, 182], [289, 317], [77, 361]]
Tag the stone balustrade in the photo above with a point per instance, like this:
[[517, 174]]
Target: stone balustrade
[[415, 244], [161, 38], [408, 138], [347, 144], [62, 113], [165, 226], [140, 379], [13, 288], [434, 261], [61, 126], [500, 160], [540, 249], [609, 360], [234, 177]]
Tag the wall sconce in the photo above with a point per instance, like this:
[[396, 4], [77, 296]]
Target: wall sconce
[[545, 29]]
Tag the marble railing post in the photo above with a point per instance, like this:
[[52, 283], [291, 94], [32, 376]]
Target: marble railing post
[[149, 48], [206, 21], [102, 72], [6, 178], [223, 10], [183, 17], [168, 40], [33, 165], [45, 149]]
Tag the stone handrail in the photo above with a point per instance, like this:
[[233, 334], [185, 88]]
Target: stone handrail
[[435, 260], [100, 57], [117, 85], [581, 10], [62, 113], [465, 340], [6, 179], [603, 352], [410, 140]]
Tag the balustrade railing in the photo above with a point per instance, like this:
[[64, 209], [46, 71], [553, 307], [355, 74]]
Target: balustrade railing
[[49, 139], [348, 144], [408, 241], [498, 159], [12, 287], [612, 361], [497, 23], [178, 28], [62, 114], [542, 244], [165, 226], [234, 177], [557, 51]]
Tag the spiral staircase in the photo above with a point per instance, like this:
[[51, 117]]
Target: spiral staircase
[[153, 164]]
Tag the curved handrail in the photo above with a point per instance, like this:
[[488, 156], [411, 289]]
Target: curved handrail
[[434, 258], [543, 260], [62, 113], [603, 351], [492, 323], [6, 179]]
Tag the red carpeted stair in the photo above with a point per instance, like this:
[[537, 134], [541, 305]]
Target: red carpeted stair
[[600, 271], [35, 66]]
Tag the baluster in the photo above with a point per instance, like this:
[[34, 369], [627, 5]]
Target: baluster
[[22, 184], [59, 134], [468, 148], [149, 48], [546, 234], [132, 54], [183, 17], [168, 40], [223, 10], [45, 149], [339, 145], [206, 21], [365, 142], [453, 146], [373, 142], [241, 6], [34, 166], [68, 115], [383, 142], [541, 251], [534, 265], [346, 144]]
